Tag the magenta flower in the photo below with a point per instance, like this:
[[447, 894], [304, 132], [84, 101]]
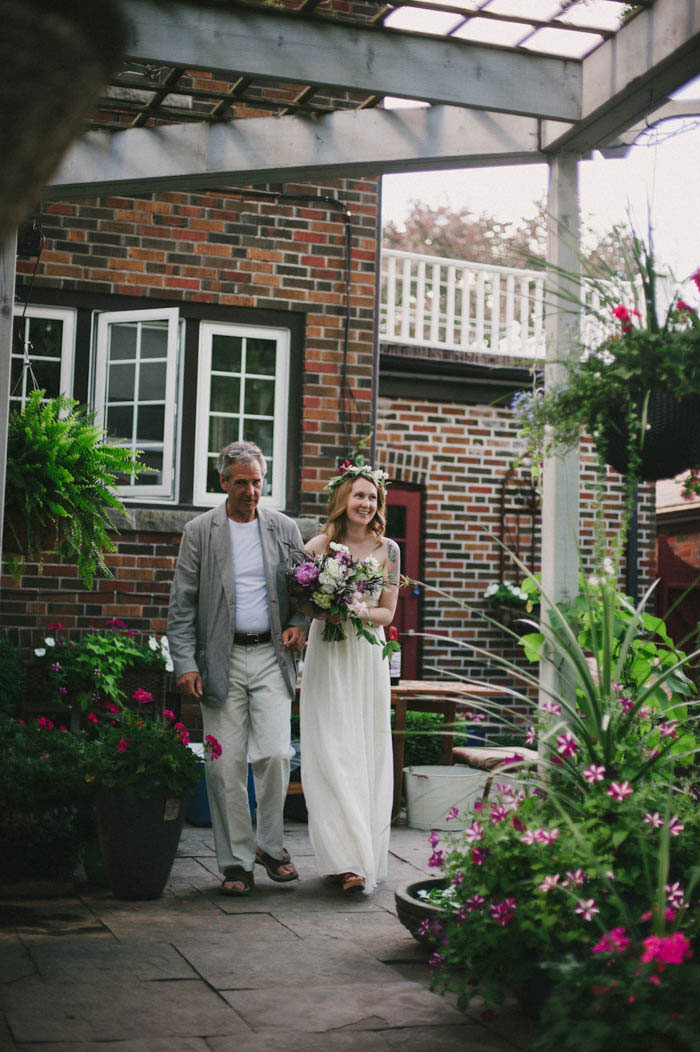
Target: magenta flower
[[452, 813], [696, 278], [169, 714], [434, 838], [424, 927], [458, 877], [566, 744], [123, 745], [594, 773], [518, 824], [56, 667], [667, 949], [498, 813], [531, 736], [546, 836], [674, 895], [614, 941], [181, 730], [587, 909], [307, 573], [515, 757], [63, 690], [620, 790], [437, 860], [551, 707], [654, 819], [91, 716], [436, 961], [142, 696], [44, 723], [549, 883], [574, 878], [474, 832], [479, 856], [668, 730], [529, 837], [503, 912], [675, 827], [212, 746], [475, 903], [627, 704]]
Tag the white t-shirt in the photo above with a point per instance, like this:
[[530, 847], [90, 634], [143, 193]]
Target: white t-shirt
[[252, 611]]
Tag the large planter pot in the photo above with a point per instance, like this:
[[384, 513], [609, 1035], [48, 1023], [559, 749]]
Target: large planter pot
[[412, 910], [671, 443], [138, 839], [517, 619]]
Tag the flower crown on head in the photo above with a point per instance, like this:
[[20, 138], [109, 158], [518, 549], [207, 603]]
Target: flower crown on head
[[350, 470]]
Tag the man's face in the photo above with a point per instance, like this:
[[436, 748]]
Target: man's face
[[243, 486]]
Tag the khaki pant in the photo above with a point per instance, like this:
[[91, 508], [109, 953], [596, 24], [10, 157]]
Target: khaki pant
[[253, 726]]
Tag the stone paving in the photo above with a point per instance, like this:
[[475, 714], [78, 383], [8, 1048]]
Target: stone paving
[[293, 966]]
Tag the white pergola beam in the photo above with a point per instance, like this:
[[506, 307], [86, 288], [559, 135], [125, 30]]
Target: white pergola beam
[[278, 45], [627, 77], [263, 150]]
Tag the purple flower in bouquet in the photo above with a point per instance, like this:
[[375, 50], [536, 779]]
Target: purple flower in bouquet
[[307, 573]]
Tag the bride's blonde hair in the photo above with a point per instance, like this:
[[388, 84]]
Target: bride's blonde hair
[[337, 521]]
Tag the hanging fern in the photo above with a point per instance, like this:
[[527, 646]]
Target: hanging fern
[[61, 473]]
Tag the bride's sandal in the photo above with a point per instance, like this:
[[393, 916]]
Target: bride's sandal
[[352, 883]]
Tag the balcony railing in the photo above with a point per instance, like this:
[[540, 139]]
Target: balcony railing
[[449, 304]]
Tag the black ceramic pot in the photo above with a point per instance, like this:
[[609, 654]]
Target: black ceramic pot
[[412, 911], [138, 839], [671, 443]]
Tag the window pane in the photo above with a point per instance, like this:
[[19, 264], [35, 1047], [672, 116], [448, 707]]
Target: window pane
[[154, 339], [45, 335], [261, 356], [48, 376], [18, 330], [226, 353], [213, 484], [16, 376], [396, 521], [222, 431], [260, 431], [153, 458], [151, 421], [121, 383], [260, 397], [225, 394], [120, 421], [152, 381], [122, 341]]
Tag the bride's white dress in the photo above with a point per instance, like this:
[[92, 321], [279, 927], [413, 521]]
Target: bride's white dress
[[346, 753]]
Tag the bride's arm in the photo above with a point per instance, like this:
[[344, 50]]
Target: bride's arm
[[383, 614]]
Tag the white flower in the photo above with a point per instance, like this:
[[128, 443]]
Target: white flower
[[165, 651], [331, 576], [50, 642], [339, 548], [608, 567], [493, 587], [153, 642], [39, 651]]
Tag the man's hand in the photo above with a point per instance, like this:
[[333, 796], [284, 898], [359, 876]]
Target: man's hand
[[294, 638], [190, 683]]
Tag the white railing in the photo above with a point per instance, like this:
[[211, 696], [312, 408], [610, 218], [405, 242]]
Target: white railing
[[428, 301]]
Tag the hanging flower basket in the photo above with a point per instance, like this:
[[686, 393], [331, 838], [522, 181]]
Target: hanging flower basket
[[671, 442]]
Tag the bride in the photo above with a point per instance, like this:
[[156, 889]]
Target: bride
[[346, 751]]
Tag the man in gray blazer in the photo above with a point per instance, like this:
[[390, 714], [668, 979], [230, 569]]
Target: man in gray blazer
[[234, 641]]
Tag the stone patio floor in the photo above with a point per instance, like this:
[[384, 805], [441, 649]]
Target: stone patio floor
[[293, 966]]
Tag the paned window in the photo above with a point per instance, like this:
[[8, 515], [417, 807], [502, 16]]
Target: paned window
[[242, 394], [135, 393], [47, 334]]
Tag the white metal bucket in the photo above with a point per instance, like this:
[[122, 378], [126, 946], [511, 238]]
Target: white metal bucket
[[432, 791]]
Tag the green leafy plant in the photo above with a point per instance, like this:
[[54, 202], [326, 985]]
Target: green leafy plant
[[606, 390], [11, 678], [133, 749], [61, 473], [523, 596], [89, 671], [46, 814]]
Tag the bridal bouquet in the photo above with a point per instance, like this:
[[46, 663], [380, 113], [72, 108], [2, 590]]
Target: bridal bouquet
[[337, 583]]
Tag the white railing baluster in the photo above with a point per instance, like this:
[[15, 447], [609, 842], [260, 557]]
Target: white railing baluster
[[480, 310], [510, 312], [420, 302], [391, 298], [435, 305], [495, 313], [524, 315], [450, 307], [405, 300], [466, 306]]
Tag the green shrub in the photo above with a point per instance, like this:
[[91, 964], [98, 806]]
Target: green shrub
[[11, 678], [424, 738]]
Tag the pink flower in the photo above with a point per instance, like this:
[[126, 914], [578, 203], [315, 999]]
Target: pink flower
[[518, 824], [436, 961], [93, 717], [574, 878], [169, 714], [529, 837], [458, 878], [123, 745], [44, 756], [531, 736], [556, 760], [475, 903], [452, 813], [587, 909], [675, 828], [142, 696], [473, 832], [594, 773], [44, 723], [437, 860], [498, 813], [681, 305], [546, 836], [667, 949], [620, 790], [654, 819], [624, 316], [479, 856], [674, 894], [56, 667], [668, 730], [212, 746], [502, 912], [549, 883], [551, 707], [566, 745], [614, 942], [627, 704], [434, 838], [696, 278]]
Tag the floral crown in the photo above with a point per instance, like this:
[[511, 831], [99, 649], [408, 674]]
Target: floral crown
[[350, 470]]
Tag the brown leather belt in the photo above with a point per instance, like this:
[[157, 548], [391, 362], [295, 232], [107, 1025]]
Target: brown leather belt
[[251, 639]]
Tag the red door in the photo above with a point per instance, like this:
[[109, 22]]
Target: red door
[[404, 525]]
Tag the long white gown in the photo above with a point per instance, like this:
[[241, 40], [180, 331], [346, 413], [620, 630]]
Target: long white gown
[[346, 754]]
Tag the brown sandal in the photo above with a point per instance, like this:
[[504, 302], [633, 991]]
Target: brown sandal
[[273, 866], [237, 875], [351, 883]]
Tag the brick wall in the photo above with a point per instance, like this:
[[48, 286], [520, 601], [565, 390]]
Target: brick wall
[[470, 449]]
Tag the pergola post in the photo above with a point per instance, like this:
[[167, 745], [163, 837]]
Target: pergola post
[[560, 497], [8, 256]]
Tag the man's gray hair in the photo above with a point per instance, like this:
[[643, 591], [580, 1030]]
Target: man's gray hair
[[240, 453]]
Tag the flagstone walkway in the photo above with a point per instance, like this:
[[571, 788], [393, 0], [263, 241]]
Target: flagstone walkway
[[292, 967]]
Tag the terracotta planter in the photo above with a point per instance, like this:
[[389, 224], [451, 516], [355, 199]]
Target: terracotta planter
[[672, 441], [138, 839]]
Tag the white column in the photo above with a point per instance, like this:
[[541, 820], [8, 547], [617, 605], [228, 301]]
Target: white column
[[8, 256], [560, 498]]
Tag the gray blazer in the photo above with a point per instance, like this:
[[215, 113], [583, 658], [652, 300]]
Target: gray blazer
[[202, 611]]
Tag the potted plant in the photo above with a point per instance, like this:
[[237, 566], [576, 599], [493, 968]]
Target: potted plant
[[142, 769], [59, 489], [513, 605], [99, 668], [46, 814], [637, 393]]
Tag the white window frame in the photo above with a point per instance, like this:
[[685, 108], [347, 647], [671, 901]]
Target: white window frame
[[208, 329], [165, 490], [67, 316]]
